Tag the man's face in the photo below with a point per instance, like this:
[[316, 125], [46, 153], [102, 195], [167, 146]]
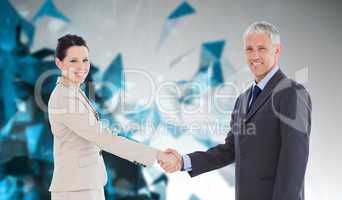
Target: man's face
[[261, 54]]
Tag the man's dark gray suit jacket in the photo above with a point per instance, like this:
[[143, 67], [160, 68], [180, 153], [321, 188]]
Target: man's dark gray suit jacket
[[269, 144]]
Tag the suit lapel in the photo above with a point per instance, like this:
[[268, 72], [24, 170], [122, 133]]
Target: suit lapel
[[87, 102], [244, 102], [78, 93], [265, 94]]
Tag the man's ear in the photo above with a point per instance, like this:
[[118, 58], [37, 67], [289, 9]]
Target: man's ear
[[278, 49], [59, 63]]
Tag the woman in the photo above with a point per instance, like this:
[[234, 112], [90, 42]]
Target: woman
[[79, 170]]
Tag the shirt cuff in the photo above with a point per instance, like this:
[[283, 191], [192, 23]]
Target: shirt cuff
[[186, 163]]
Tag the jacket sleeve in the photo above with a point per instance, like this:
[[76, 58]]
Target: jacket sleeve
[[295, 124], [215, 157], [73, 114]]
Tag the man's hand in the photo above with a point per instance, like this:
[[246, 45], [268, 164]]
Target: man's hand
[[170, 160]]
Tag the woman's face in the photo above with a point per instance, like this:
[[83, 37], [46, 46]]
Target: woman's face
[[75, 66]]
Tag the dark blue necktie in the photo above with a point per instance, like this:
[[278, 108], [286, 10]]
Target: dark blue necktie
[[255, 92]]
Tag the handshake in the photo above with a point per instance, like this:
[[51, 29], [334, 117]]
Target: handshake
[[170, 160]]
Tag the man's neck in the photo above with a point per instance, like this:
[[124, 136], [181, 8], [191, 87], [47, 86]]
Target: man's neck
[[259, 78], [262, 82]]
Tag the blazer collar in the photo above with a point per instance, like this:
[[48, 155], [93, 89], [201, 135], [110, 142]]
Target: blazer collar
[[264, 95], [76, 91]]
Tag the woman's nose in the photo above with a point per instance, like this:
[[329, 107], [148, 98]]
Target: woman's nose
[[80, 67]]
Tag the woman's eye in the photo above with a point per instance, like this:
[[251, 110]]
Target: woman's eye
[[73, 61], [85, 60]]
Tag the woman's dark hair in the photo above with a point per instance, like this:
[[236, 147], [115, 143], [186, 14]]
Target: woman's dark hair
[[67, 41]]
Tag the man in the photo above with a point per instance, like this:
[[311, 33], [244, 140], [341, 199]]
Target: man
[[270, 127]]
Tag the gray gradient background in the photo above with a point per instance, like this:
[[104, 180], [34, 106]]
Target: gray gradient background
[[311, 35]]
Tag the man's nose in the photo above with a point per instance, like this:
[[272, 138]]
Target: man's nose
[[255, 54]]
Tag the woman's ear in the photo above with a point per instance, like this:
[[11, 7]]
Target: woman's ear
[[59, 63]]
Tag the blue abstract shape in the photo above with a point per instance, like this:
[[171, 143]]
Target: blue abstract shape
[[43, 53], [180, 58], [11, 25], [142, 114], [139, 115], [215, 49], [156, 117], [211, 53], [127, 133], [44, 151], [94, 74], [33, 134], [49, 83], [110, 188], [5, 130], [9, 189], [24, 117], [49, 9], [182, 10], [189, 95], [217, 75], [28, 29], [28, 67], [32, 195], [194, 197], [209, 74], [229, 68], [22, 127], [7, 103], [113, 79], [195, 87], [205, 140], [114, 72], [10, 22], [2, 59]]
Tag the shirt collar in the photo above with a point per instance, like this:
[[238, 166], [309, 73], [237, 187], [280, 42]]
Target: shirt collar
[[262, 83]]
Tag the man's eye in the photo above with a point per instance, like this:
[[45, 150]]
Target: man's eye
[[85, 60], [73, 61]]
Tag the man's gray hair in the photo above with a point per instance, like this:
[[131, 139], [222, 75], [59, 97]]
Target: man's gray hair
[[264, 27]]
